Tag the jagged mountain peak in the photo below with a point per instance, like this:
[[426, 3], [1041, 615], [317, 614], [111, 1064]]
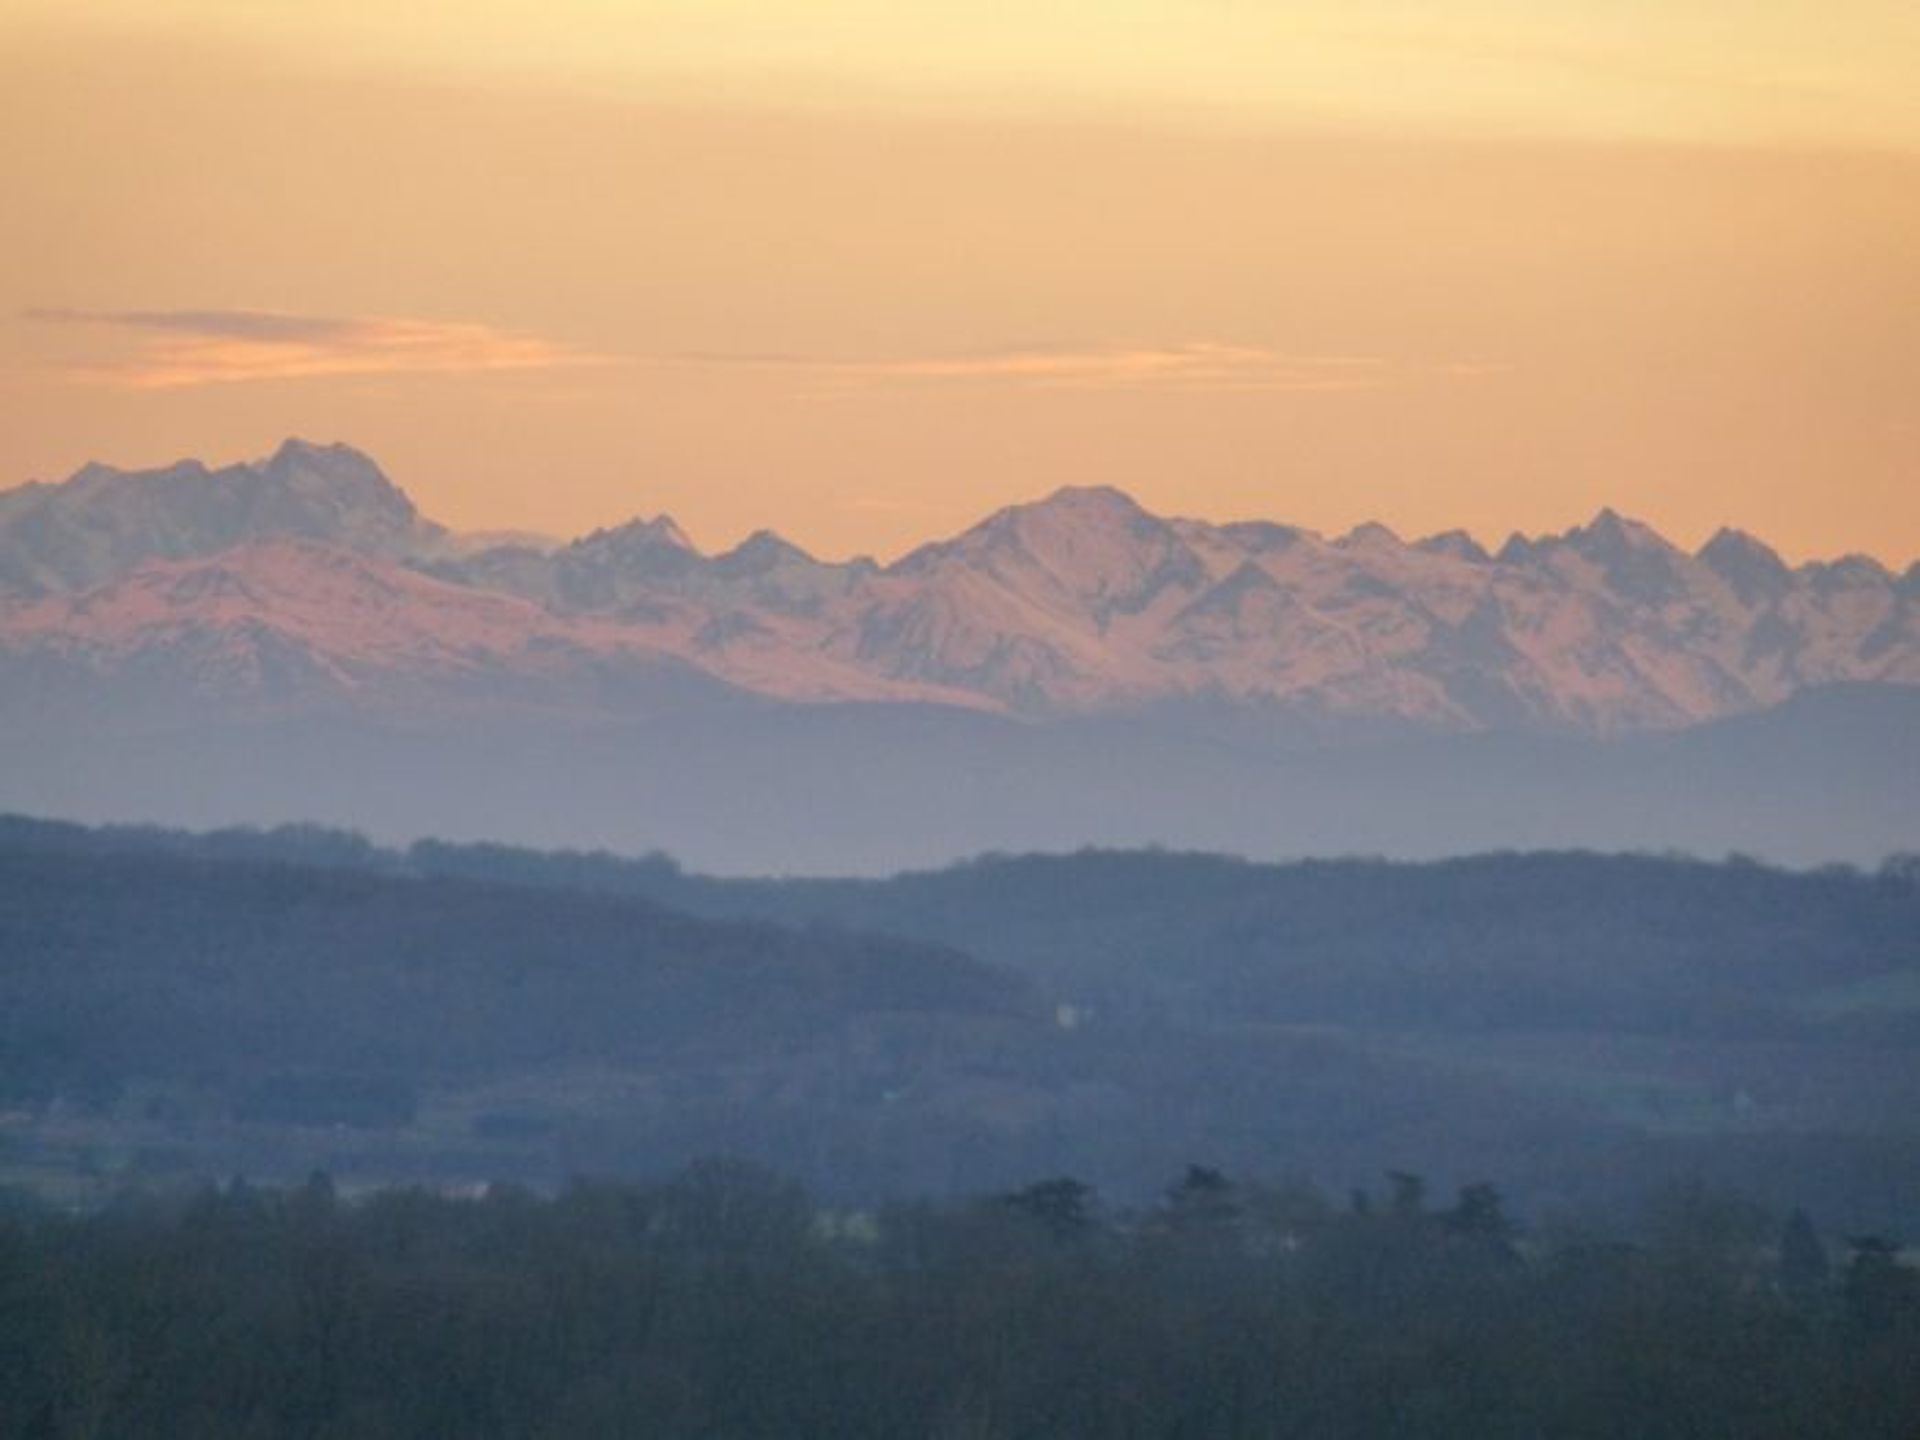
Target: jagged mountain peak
[[297, 450], [334, 461], [103, 521], [1730, 542], [1608, 536], [1753, 569], [1641, 565], [342, 479], [1635, 561], [1848, 572], [1065, 529], [1074, 602], [1611, 533], [639, 535], [618, 566], [1518, 549], [1456, 544], [761, 550], [1087, 507]]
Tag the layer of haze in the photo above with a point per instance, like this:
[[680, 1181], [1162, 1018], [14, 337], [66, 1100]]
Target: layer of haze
[[862, 273]]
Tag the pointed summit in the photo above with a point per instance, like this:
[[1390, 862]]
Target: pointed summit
[[342, 482], [1083, 510], [758, 553], [771, 571], [1754, 571], [1518, 549], [1072, 518], [1456, 544], [1088, 550], [1641, 565], [1088, 509], [663, 529], [104, 521], [623, 565], [1611, 534], [638, 536]]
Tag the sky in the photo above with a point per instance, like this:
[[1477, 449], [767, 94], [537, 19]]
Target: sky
[[863, 272]]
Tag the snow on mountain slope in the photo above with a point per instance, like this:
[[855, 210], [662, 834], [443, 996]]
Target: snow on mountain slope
[[1083, 602], [1076, 604], [102, 522], [240, 618], [280, 621]]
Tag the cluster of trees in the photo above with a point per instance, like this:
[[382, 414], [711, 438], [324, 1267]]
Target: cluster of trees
[[723, 1303]]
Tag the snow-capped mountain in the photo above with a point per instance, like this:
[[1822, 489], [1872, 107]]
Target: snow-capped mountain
[[279, 627], [102, 522], [1084, 601], [310, 573]]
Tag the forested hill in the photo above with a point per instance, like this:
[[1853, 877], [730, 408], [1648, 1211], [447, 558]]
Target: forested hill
[[168, 963], [1118, 919], [1580, 940], [1641, 943], [1583, 1026]]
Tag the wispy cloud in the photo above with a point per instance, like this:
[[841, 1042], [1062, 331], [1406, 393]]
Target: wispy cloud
[[1199, 365], [176, 349]]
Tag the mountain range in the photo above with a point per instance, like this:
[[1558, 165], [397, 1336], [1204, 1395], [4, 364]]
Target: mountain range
[[292, 639], [309, 576]]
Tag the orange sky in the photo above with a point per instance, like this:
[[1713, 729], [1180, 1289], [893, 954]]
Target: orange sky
[[862, 272]]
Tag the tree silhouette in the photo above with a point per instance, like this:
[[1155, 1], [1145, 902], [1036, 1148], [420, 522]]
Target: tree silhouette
[[1060, 1206]]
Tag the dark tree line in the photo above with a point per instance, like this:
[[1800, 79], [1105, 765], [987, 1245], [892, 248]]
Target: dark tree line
[[723, 1303]]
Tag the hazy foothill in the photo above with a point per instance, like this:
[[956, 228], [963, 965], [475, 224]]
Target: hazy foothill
[[1585, 1028]]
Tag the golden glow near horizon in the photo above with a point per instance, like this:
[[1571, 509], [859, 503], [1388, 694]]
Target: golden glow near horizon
[[862, 271], [1735, 70]]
